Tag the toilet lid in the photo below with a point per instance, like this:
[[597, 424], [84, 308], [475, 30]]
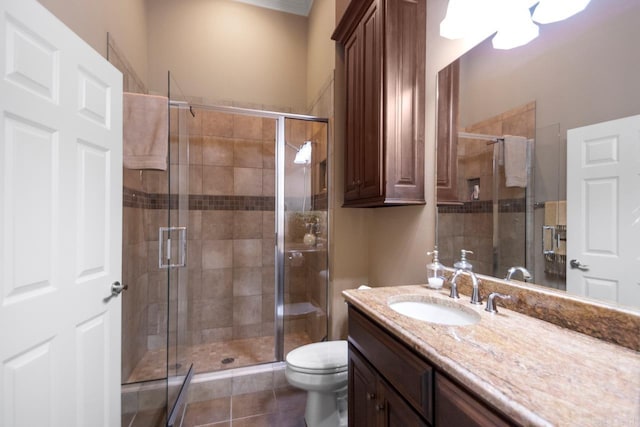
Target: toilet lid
[[320, 357]]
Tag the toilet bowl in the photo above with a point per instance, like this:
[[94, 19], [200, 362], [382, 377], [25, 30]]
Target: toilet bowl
[[321, 369]]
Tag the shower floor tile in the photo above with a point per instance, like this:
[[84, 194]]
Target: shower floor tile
[[211, 357]]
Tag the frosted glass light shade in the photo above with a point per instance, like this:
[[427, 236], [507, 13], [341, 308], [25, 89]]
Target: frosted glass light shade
[[465, 18], [303, 156], [549, 11], [515, 27]]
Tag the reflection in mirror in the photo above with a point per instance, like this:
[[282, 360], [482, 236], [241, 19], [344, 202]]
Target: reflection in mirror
[[578, 72]]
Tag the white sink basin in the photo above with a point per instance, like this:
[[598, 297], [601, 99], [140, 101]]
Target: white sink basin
[[433, 310]]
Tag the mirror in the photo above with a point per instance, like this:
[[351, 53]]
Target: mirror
[[578, 72]]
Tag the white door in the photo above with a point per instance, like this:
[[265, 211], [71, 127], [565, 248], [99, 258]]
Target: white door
[[60, 224], [603, 211]]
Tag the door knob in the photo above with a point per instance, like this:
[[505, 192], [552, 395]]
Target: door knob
[[574, 263], [117, 288]]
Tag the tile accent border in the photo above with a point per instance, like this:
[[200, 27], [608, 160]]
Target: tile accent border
[[485, 206], [139, 199]]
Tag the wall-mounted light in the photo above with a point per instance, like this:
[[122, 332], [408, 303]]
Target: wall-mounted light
[[461, 19], [549, 11], [303, 156], [514, 24], [510, 18]]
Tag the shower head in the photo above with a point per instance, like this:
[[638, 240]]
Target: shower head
[[303, 156]]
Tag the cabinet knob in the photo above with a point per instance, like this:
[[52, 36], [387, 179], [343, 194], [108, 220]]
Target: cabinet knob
[[358, 182], [371, 396], [353, 183], [380, 407]]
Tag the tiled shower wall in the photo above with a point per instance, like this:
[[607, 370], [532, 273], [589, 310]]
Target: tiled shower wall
[[231, 243], [231, 226], [470, 225], [145, 298]]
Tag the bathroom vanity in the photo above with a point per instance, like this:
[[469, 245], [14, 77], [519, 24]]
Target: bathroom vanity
[[508, 368]]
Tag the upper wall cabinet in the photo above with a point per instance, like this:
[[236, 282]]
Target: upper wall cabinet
[[384, 57], [447, 134]]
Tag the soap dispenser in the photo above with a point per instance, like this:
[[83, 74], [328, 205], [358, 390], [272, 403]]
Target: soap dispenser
[[435, 271], [463, 264]]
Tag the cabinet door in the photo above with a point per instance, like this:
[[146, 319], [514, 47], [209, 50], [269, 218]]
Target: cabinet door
[[394, 411], [455, 407], [370, 179], [404, 99], [363, 397], [447, 134], [353, 65]]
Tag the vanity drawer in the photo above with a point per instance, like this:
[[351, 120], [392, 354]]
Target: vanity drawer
[[411, 376]]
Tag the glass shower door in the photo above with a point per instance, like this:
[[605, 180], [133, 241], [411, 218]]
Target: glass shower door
[[304, 208], [172, 254]]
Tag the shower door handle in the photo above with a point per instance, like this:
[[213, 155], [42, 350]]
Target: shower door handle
[[165, 251]]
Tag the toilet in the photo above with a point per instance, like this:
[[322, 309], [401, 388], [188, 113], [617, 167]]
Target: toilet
[[321, 369]]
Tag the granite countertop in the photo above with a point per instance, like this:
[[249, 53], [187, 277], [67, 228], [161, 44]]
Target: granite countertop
[[535, 372]]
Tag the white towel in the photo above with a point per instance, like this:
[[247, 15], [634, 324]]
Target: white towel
[[515, 161], [145, 131]]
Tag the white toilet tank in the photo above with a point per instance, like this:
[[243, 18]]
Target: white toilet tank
[[322, 357]]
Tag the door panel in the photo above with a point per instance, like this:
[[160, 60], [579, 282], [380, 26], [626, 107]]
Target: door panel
[[60, 224], [603, 210], [352, 52], [370, 176]]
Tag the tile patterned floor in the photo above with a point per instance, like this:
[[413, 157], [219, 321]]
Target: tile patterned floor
[[209, 357], [283, 407]]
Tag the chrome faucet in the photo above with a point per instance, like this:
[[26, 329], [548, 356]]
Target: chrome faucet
[[492, 307], [525, 273], [475, 294]]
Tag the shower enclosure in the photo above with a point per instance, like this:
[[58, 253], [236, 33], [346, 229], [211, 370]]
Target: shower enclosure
[[225, 253], [491, 217]]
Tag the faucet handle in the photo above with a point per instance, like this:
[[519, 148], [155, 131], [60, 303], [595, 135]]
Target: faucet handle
[[454, 291], [475, 293], [492, 307]]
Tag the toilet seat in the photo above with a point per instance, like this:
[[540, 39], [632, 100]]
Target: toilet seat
[[319, 358]]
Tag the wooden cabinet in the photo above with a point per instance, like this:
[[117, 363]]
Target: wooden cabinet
[[386, 380], [384, 61], [373, 402], [391, 385], [455, 407], [447, 134]]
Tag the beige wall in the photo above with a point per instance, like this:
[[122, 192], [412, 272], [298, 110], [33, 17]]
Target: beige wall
[[578, 71], [224, 50], [125, 20], [320, 47]]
